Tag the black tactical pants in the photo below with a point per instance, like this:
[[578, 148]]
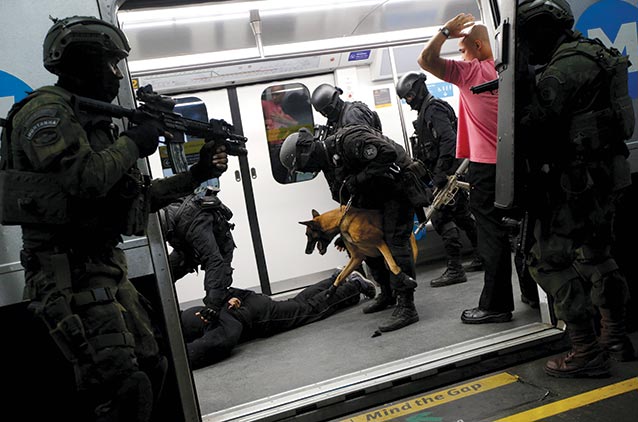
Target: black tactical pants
[[493, 239], [270, 317], [398, 221], [449, 219]]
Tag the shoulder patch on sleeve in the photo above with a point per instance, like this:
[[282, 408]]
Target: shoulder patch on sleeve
[[39, 125], [369, 152]]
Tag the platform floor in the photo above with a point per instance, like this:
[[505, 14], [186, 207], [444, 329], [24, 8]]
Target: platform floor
[[521, 393], [343, 344]]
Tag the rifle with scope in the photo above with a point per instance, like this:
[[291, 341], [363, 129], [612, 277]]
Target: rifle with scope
[[161, 109]]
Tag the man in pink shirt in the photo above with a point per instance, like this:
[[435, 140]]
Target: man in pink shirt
[[476, 140]]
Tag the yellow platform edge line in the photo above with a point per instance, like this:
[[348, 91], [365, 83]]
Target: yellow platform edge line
[[574, 402], [438, 398]]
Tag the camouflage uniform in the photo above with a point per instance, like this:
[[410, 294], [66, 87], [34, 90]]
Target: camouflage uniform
[[579, 118], [571, 257], [76, 276]]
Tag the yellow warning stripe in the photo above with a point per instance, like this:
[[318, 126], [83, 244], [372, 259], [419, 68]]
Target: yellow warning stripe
[[574, 402], [435, 399]]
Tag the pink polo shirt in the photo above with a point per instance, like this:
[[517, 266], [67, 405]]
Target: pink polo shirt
[[477, 127]]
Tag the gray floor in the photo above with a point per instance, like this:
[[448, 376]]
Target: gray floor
[[533, 390], [342, 344]]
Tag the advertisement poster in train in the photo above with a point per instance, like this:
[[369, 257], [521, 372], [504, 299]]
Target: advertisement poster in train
[[286, 109]]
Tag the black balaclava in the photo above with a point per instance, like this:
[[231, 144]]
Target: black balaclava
[[90, 72]]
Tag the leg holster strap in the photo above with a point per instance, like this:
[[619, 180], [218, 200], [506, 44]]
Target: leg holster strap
[[112, 340], [93, 296]]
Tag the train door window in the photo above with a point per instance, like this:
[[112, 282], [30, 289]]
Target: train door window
[[191, 108], [286, 109]]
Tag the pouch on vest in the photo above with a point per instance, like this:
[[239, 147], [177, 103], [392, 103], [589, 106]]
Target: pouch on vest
[[31, 198]]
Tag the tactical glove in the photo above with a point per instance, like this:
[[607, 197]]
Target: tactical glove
[[439, 180], [146, 137], [204, 168]]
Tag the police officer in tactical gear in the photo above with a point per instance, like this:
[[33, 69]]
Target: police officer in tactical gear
[[72, 184], [578, 119], [199, 230], [434, 144], [327, 101], [371, 171]]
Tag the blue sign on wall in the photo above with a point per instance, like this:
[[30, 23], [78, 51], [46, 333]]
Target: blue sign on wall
[[359, 55], [441, 89], [10, 86], [614, 22]]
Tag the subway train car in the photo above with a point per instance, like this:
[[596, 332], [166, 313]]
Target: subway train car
[[225, 60]]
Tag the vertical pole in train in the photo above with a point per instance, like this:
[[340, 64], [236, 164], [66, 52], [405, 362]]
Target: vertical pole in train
[[255, 24], [395, 78]]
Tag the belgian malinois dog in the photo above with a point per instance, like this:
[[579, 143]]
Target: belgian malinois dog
[[361, 231]]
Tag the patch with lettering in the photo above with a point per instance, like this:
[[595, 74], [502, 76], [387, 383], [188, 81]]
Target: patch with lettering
[[40, 125], [369, 152]]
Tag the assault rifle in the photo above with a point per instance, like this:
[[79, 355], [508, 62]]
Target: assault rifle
[[446, 195], [161, 109]]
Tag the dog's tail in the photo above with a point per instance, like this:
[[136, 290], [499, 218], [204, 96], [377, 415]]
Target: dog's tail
[[415, 249]]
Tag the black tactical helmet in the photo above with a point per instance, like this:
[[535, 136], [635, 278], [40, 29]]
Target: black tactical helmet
[[325, 99], [407, 81], [411, 87], [82, 30], [557, 10], [288, 151]]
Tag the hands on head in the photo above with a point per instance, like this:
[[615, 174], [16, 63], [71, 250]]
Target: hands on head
[[458, 25]]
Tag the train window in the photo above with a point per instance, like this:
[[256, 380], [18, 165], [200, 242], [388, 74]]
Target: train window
[[191, 108], [286, 109]]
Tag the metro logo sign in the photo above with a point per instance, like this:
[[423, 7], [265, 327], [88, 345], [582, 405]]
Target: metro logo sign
[[614, 22], [12, 90]]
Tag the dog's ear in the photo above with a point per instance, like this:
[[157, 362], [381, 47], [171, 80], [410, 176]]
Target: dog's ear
[[306, 223], [315, 214]]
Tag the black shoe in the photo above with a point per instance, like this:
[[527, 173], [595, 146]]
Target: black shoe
[[475, 265], [380, 303], [482, 316], [366, 286], [401, 317], [449, 277]]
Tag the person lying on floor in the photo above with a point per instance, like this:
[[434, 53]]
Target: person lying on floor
[[250, 315]]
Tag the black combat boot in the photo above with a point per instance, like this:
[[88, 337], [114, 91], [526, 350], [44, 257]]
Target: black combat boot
[[613, 335], [586, 359], [404, 314], [453, 274]]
